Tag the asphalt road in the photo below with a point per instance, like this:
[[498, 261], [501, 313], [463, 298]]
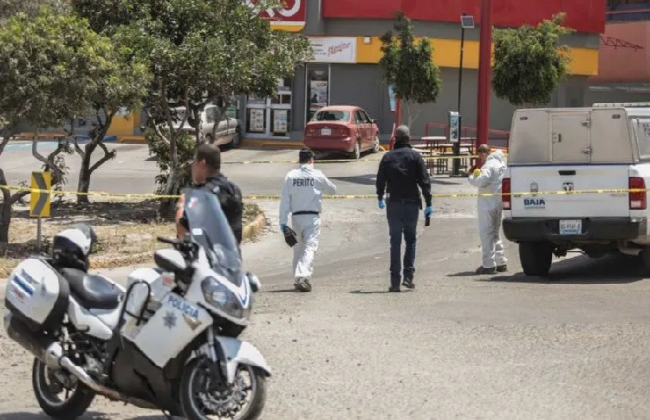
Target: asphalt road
[[134, 170], [459, 346]]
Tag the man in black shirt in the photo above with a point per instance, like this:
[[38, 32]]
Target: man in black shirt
[[400, 172], [206, 173]]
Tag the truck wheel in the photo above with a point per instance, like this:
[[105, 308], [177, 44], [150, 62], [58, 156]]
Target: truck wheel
[[645, 257], [535, 258]]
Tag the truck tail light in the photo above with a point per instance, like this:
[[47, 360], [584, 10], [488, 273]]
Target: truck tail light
[[638, 199], [506, 197]]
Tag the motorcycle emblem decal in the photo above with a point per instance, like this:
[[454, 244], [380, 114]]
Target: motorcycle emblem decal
[[192, 322], [568, 187], [170, 320], [534, 188]]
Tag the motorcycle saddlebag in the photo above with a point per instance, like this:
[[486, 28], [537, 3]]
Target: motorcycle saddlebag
[[37, 294]]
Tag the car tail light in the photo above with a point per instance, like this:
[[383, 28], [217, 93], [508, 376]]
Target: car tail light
[[343, 132], [638, 199], [506, 197]]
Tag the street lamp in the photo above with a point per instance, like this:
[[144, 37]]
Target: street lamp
[[466, 22]]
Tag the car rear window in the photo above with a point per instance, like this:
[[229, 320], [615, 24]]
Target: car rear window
[[332, 116]]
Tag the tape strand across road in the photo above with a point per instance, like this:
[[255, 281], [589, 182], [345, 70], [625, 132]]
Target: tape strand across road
[[283, 162], [341, 196]]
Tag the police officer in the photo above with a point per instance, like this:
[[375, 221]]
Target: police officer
[[400, 172], [206, 173], [302, 197]]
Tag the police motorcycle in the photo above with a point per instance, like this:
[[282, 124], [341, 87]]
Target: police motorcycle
[[157, 343]]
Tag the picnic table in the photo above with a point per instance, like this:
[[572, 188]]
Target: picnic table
[[439, 147]]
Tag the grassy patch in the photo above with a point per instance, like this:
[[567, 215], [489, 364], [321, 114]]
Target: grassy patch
[[126, 232]]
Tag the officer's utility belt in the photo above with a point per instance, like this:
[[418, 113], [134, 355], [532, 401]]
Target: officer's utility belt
[[298, 213]]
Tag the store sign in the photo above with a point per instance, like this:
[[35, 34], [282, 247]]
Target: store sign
[[334, 49], [291, 16]]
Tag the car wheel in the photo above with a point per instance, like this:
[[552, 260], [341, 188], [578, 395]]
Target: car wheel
[[236, 139], [375, 145], [356, 153]]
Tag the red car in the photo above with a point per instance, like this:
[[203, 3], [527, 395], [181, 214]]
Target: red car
[[345, 129]]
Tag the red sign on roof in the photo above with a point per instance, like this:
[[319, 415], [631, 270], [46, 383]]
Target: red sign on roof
[[291, 16]]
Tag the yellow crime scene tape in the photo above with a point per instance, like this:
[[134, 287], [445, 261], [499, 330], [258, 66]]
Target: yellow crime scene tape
[[320, 162], [338, 196]]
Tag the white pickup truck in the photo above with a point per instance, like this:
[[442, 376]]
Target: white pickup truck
[[566, 151]]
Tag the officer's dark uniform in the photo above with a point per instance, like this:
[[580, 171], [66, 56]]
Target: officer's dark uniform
[[230, 198], [401, 172]]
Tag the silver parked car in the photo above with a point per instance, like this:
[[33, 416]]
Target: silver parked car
[[228, 131]]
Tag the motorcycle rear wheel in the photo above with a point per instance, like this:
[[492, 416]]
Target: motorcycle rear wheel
[[197, 376], [72, 406]]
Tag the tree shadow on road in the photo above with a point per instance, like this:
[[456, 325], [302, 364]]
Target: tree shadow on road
[[611, 269]]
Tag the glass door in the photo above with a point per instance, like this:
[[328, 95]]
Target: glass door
[[280, 110], [317, 89], [271, 116]]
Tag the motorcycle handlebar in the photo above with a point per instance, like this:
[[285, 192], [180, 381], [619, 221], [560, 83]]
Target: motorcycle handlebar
[[167, 240]]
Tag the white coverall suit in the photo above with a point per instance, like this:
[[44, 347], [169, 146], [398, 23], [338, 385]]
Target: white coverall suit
[[490, 209], [302, 197]]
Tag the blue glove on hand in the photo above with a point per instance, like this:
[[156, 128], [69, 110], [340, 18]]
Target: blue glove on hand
[[382, 204], [282, 226], [428, 211]]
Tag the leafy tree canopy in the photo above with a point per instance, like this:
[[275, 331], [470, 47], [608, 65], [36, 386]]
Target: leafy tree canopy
[[51, 67], [529, 63], [408, 65]]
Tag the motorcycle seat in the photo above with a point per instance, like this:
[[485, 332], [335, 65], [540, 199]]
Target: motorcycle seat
[[92, 291]]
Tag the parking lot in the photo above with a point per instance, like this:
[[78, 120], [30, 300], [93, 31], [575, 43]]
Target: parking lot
[[458, 346]]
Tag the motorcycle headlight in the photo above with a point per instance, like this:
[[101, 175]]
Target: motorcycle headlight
[[219, 296]]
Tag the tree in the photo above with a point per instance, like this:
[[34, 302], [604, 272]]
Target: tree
[[201, 52], [9, 8], [529, 63], [408, 67], [120, 85], [47, 74]]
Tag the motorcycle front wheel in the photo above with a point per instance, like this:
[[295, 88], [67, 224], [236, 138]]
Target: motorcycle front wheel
[[206, 397]]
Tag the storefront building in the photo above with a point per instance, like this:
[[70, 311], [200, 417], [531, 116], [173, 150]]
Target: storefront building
[[345, 38], [624, 69]]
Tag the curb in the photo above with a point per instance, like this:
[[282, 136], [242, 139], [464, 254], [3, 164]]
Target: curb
[[252, 229]]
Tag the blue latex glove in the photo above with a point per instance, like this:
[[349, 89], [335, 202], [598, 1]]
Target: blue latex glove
[[382, 204], [428, 211], [282, 228]]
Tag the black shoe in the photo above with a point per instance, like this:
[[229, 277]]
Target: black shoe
[[408, 283], [502, 268], [483, 270], [303, 285], [394, 289]]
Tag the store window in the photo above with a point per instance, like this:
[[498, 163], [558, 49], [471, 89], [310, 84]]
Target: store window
[[271, 116], [317, 89]]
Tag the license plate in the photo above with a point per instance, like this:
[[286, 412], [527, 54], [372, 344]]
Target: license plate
[[570, 227], [326, 131]]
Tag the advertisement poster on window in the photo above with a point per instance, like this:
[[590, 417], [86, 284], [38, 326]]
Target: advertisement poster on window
[[279, 121], [257, 120], [318, 93]]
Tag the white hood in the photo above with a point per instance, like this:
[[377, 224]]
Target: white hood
[[496, 155]]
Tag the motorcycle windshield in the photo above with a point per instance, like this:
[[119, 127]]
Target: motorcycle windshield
[[210, 229]]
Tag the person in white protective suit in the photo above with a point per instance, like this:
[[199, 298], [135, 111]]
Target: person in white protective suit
[[302, 197], [488, 180]]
